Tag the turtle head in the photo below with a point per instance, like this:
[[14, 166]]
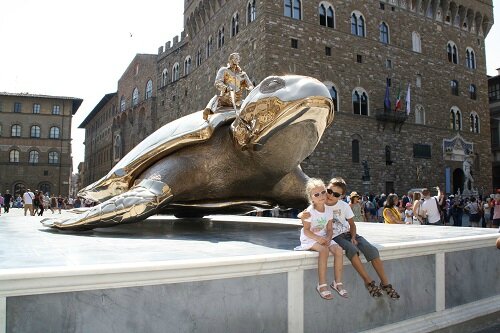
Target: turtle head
[[284, 115]]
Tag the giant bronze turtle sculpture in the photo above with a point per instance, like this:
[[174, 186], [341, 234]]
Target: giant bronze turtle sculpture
[[232, 163]]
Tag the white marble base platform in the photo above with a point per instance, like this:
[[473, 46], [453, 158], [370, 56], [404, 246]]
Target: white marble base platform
[[231, 259]]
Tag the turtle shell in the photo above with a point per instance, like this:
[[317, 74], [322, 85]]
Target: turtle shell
[[187, 130]]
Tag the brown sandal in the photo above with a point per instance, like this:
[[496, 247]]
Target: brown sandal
[[373, 289], [391, 292]]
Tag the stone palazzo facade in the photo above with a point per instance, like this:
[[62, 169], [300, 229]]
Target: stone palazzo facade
[[361, 50], [35, 142]]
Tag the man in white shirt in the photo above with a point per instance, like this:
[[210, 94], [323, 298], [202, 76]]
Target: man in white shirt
[[430, 207], [28, 202]]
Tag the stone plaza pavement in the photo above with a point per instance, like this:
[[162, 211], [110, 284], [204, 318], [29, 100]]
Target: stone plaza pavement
[[26, 243]]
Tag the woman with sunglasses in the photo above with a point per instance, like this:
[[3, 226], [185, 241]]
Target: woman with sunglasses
[[316, 235], [344, 234]]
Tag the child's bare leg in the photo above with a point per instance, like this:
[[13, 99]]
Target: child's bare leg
[[322, 264], [338, 262], [358, 266], [378, 265]]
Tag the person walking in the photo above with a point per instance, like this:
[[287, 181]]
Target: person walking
[[41, 202], [28, 197], [7, 199]]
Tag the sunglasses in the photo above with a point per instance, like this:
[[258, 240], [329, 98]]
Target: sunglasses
[[320, 193], [335, 194]]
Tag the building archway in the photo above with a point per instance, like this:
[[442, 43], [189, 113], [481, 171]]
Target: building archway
[[458, 180], [19, 188]]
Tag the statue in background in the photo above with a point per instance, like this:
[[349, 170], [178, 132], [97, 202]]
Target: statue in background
[[469, 180], [230, 81]]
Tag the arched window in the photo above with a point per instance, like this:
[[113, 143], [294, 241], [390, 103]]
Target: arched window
[[175, 72], [455, 119], [220, 37], [122, 103], [416, 42], [14, 156], [474, 122], [15, 131], [164, 77], [135, 97], [470, 58], [293, 9], [35, 131], [326, 15], [198, 58], [251, 11], [149, 89], [430, 10], [235, 24], [33, 157], [355, 151], [54, 133], [384, 33], [357, 24], [360, 102], [419, 114], [452, 51], [454, 87], [53, 157], [209, 46], [45, 187], [472, 91], [187, 65]]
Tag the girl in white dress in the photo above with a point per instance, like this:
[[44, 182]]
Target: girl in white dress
[[316, 235]]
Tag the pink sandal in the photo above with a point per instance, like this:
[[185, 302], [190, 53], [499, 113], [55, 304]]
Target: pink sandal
[[325, 294], [338, 287]]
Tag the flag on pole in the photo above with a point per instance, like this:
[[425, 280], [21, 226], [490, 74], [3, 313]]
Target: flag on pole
[[387, 99], [398, 100], [408, 106]]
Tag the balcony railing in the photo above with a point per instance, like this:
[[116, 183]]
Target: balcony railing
[[394, 118]]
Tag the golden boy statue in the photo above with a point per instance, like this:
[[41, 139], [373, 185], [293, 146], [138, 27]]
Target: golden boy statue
[[230, 81]]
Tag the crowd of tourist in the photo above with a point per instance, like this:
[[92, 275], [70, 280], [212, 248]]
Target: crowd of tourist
[[36, 203], [419, 207]]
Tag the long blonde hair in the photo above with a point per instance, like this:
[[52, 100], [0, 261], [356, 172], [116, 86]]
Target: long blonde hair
[[312, 183]]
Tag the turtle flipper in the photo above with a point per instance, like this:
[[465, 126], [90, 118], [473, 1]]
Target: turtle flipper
[[138, 203]]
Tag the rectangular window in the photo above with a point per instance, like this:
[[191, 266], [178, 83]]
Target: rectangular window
[[388, 63], [56, 109], [295, 43], [45, 172], [17, 107], [421, 151], [328, 51], [359, 58], [36, 108], [1, 106], [382, 6]]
